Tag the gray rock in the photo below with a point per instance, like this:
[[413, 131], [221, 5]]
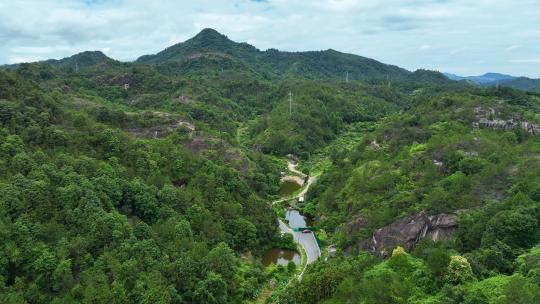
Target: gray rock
[[408, 231], [356, 224], [509, 125]]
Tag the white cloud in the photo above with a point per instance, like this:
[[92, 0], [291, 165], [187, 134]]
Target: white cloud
[[513, 47], [529, 60], [459, 50], [448, 33], [21, 59]]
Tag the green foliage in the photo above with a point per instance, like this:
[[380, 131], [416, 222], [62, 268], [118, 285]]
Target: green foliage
[[149, 182], [459, 270], [91, 214]]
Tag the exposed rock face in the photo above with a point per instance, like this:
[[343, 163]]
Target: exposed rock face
[[408, 231], [160, 131], [485, 119], [509, 125], [356, 224]]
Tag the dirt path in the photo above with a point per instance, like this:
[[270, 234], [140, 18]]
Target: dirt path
[[292, 167]]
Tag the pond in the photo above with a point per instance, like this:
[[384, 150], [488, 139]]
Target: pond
[[296, 220], [280, 256], [287, 188]]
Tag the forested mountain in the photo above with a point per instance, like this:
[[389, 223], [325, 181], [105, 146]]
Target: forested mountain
[[487, 78], [152, 181], [523, 83], [496, 79], [441, 172], [329, 64]]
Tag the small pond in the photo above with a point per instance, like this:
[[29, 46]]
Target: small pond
[[280, 256], [296, 220], [287, 188]]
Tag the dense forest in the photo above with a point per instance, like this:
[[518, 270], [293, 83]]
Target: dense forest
[[151, 181]]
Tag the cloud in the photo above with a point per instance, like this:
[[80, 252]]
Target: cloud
[[479, 36], [425, 47], [529, 60], [460, 50], [513, 47]]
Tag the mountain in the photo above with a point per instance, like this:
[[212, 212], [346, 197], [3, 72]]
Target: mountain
[[160, 181], [81, 60], [78, 61], [523, 83], [208, 41], [485, 79], [211, 51], [328, 64], [494, 79]]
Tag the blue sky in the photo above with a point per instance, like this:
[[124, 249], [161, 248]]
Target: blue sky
[[459, 36]]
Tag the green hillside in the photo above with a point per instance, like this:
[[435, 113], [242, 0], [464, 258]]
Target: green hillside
[[211, 46], [152, 181]]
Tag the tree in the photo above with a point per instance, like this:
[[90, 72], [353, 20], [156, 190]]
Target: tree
[[211, 290], [62, 278], [222, 261], [242, 234], [521, 291], [459, 270]]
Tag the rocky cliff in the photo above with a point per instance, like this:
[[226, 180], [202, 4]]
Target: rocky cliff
[[408, 231]]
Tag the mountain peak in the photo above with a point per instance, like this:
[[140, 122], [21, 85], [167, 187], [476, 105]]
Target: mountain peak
[[209, 37], [95, 54], [209, 33], [207, 40], [81, 60], [484, 79]]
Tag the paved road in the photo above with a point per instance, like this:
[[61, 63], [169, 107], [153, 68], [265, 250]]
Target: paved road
[[306, 240]]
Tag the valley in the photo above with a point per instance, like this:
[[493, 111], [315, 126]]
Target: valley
[[189, 176]]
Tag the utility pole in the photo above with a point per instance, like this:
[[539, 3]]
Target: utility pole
[[290, 102]]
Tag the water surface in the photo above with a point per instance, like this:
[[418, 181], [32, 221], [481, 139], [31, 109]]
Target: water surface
[[280, 256], [296, 220], [287, 188]]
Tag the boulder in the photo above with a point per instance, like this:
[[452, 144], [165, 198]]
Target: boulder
[[408, 231]]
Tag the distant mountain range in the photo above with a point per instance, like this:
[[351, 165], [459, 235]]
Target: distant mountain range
[[210, 52], [493, 79], [482, 79]]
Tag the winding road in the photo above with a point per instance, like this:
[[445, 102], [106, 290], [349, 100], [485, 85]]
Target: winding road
[[306, 240]]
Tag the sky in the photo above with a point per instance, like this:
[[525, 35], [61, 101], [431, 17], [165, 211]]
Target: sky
[[465, 37]]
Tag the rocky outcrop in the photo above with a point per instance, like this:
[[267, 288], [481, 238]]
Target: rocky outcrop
[[485, 118], [408, 231], [356, 224], [505, 125]]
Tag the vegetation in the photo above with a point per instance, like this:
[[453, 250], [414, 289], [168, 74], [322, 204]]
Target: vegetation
[[150, 182], [431, 158]]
